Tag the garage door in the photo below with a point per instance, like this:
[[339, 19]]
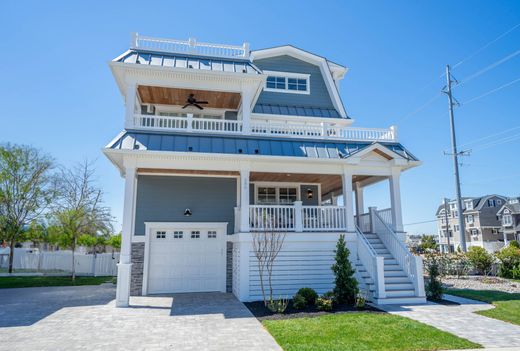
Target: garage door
[[186, 260]]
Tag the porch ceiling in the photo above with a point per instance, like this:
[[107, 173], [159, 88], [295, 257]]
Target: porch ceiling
[[328, 182], [178, 96]]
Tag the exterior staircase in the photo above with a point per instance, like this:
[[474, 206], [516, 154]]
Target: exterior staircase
[[399, 289]]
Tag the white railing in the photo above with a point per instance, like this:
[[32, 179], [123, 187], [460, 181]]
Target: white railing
[[386, 216], [329, 218], [217, 125], [373, 263], [271, 217], [411, 264], [362, 134], [160, 122], [289, 129], [363, 221], [190, 46]]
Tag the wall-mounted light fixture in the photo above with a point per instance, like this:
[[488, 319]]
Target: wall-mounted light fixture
[[310, 193], [187, 212]]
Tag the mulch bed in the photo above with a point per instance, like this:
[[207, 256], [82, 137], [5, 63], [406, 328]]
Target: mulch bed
[[262, 313]]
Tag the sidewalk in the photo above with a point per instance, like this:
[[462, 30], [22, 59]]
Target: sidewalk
[[461, 321]]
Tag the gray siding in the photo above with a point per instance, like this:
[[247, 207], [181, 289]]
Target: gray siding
[[164, 199], [136, 275], [319, 96]]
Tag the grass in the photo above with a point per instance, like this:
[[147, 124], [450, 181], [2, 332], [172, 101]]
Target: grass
[[361, 331], [29, 282], [507, 305]]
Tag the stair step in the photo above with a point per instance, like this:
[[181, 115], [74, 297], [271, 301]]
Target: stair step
[[393, 267], [400, 301], [398, 286], [389, 260], [375, 241], [395, 274], [371, 236], [378, 246], [400, 293], [397, 280]]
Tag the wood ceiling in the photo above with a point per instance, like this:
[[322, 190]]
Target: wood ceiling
[[177, 96]]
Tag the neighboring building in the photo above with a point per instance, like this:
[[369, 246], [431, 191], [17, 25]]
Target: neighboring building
[[509, 216], [483, 227], [221, 142]]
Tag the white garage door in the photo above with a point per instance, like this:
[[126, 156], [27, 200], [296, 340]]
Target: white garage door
[[186, 260]]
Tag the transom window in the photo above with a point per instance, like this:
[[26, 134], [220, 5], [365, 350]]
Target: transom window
[[287, 82], [277, 195], [178, 234], [195, 234], [212, 234], [160, 235]]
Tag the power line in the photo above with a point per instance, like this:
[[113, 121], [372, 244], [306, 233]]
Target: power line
[[491, 91], [498, 142], [420, 108], [490, 67], [490, 136], [421, 222], [482, 48]]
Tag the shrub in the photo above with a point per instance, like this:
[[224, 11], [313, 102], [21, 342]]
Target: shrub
[[324, 304], [346, 286], [309, 294], [433, 285], [299, 302], [278, 306], [514, 243], [456, 264], [361, 300], [509, 258], [480, 259]]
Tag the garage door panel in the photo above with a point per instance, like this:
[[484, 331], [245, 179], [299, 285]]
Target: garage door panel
[[186, 264]]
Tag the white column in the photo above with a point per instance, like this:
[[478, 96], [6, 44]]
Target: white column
[[244, 200], [124, 267], [360, 204], [395, 200], [298, 217], [246, 111], [347, 199], [131, 95]]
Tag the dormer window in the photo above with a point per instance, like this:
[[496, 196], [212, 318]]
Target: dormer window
[[287, 82], [507, 220], [469, 205]]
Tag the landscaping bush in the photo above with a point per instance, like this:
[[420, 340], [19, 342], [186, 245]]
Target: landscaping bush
[[509, 258], [309, 294], [278, 306], [514, 243], [324, 304], [346, 286], [361, 300], [433, 285], [480, 259], [456, 264], [299, 302]]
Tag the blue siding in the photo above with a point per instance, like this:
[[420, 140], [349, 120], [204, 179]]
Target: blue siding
[[164, 199], [318, 97]]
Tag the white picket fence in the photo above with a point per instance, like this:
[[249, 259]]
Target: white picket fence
[[104, 264]]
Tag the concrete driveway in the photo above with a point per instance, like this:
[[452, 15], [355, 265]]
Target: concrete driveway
[[84, 318]]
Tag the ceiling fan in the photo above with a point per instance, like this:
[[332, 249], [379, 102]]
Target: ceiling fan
[[191, 101]]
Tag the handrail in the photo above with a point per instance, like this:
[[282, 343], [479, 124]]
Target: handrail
[[365, 240], [373, 263]]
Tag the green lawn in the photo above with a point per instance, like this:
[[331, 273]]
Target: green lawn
[[28, 282], [361, 331], [507, 305]]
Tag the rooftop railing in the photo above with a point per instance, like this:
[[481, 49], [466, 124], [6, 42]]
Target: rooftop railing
[[190, 46]]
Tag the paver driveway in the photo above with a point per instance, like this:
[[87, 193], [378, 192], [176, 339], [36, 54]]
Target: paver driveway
[[84, 318]]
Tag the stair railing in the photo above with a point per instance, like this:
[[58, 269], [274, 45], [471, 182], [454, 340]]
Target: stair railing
[[412, 265], [373, 263]]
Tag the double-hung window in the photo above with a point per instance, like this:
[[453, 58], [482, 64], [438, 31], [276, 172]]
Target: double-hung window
[[287, 82], [469, 219], [507, 220], [270, 195]]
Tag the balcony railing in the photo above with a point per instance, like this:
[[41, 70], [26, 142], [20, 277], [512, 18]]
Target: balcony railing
[[190, 46], [268, 128]]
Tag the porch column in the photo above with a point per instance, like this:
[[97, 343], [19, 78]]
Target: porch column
[[395, 200], [246, 111], [347, 199], [124, 266], [244, 200], [360, 204], [130, 98]]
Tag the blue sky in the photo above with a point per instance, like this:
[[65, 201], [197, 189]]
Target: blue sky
[[57, 92]]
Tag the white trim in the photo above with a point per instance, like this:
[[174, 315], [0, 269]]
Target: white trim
[[278, 185], [149, 226], [288, 75]]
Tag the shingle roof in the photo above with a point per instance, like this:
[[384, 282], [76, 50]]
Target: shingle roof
[[133, 140], [188, 61], [296, 110]]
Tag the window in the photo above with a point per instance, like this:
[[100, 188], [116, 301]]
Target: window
[[469, 219], [499, 202], [212, 234], [455, 213], [195, 234], [287, 82], [287, 195], [267, 195], [456, 227], [507, 220], [276, 195], [178, 234], [492, 203], [474, 232], [160, 235], [469, 205], [495, 231]]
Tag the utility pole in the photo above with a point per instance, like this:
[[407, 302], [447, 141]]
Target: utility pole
[[455, 155], [447, 224]]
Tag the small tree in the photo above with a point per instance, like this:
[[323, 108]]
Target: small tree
[[433, 284], [26, 190], [266, 246], [480, 259], [346, 285], [428, 243]]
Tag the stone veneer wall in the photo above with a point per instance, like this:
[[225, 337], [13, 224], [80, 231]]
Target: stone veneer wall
[[229, 267], [136, 279]]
